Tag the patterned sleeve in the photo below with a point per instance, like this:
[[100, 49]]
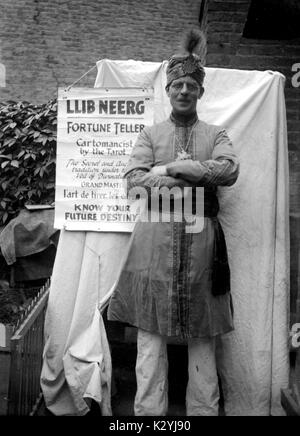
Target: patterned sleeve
[[221, 170], [147, 180], [142, 154]]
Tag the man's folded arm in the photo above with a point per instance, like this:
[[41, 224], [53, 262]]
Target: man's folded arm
[[145, 179], [138, 171], [221, 170]]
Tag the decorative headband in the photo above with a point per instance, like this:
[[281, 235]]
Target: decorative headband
[[191, 59]]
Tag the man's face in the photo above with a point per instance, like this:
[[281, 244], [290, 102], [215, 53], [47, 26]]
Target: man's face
[[184, 94]]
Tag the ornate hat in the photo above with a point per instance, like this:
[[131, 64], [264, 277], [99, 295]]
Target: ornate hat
[[190, 60]]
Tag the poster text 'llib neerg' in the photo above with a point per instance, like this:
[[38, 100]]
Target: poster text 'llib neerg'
[[110, 107]]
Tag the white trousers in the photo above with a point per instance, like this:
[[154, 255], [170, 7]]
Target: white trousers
[[202, 394]]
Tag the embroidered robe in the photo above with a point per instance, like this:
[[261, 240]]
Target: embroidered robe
[[166, 282]]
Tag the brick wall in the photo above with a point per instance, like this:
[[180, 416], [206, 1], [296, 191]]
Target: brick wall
[[45, 44], [50, 43], [227, 48]]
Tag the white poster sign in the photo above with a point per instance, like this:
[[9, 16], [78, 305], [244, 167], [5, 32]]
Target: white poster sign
[[96, 131]]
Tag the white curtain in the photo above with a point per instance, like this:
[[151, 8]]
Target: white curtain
[[252, 360]]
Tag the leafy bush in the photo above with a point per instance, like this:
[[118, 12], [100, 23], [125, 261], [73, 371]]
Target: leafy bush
[[27, 156], [11, 304]]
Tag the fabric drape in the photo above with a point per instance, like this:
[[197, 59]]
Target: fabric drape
[[253, 360]]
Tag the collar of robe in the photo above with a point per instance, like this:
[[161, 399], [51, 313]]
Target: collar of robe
[[184, 120]]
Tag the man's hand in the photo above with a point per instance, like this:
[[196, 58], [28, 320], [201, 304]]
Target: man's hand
[[159, 170]]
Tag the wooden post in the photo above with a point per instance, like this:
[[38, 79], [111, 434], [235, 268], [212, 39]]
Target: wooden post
[[296, 389], [290, 398], [5, 361]]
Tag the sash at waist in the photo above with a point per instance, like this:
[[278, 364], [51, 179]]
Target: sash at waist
[[220, 267], [188, 204], [211, 203]]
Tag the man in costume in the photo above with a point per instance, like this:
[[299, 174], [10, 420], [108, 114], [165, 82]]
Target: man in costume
[[176, 283]]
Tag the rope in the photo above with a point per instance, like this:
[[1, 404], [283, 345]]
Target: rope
[[76, 81]]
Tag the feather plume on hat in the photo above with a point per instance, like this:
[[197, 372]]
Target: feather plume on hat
[[190, 59], [194, 43]]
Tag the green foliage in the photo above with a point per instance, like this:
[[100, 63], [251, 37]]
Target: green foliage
[[27, 156]]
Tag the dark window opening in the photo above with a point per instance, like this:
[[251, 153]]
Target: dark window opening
[[273, 19]]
